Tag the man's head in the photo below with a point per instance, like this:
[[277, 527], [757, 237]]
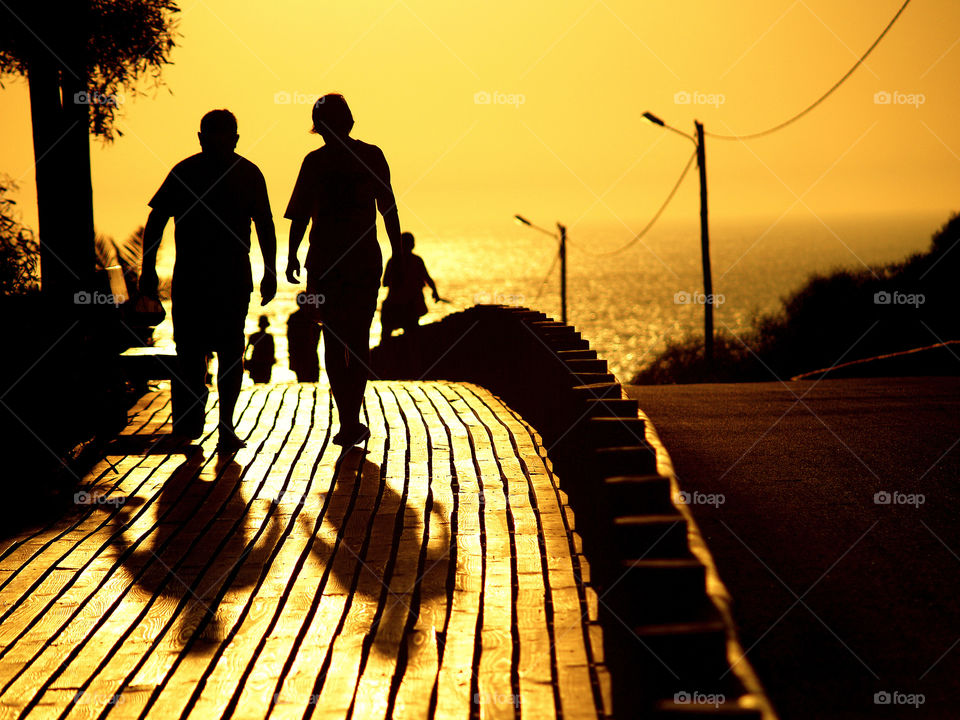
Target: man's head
[[332, 117], [218, 132]]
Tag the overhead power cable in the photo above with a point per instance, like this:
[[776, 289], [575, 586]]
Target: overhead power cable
[[653, 220], [823, 97]]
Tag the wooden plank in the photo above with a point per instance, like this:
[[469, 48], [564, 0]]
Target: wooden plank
[[372, 550], [456, 679], [136, 602], [421, 651], [495, 693], [535, 678], [246, 649], [202, 618], [575, 678], [59, 632], [439, 574], [255, 610], [346, 519]]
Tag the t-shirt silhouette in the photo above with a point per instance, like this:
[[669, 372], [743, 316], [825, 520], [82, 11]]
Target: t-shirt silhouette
[[338, 189], [406, 295], [212, 202]]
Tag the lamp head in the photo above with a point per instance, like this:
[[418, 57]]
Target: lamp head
[[650, 117]]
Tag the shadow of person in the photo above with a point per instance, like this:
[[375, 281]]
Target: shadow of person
[[199, 549], [397, 582]]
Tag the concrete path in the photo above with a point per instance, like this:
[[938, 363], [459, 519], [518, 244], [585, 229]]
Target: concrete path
[[832, 510], [431, 573]]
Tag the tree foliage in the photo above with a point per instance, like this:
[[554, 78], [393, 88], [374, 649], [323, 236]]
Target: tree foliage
[[19, 251], [109, 43]]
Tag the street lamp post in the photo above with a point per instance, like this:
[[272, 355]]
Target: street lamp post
[[562, 236], [704, 230]]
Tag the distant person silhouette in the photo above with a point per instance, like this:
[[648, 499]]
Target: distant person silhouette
[[303, 338], [340, 187], [262, 353], [212, 197], [404, 304]]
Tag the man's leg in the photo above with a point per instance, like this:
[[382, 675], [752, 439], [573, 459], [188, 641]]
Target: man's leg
[[188, 391], [334, 354], [188, 387], [229, 381], [358, 361], [230, 346]]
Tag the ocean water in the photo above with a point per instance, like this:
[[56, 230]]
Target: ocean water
[[629, 304]]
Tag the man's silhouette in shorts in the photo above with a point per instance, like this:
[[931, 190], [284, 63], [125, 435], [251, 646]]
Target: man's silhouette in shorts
[[340, 187], [212, 197]]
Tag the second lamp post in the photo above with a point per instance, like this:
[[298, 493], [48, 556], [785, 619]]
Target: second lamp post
[[562, 230], [704, 230]]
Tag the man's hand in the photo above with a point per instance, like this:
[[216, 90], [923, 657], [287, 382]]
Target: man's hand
[[293, 270], [268, 288], [149, 282]]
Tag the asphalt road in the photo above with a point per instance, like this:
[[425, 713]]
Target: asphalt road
[[838, 595]]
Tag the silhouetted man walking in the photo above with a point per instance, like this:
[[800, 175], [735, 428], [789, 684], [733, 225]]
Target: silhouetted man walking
[[340, 187], [212, 197]]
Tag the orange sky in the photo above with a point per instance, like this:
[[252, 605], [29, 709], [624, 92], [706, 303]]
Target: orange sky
[[568, 82]]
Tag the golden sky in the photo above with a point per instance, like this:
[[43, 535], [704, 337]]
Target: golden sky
[[567, 82]]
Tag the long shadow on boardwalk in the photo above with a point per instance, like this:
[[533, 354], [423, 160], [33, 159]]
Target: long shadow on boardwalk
[[391, 557], [189, 534], [374, 546]]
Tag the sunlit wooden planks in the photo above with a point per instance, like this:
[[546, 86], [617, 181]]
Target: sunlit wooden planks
[[431, 573]]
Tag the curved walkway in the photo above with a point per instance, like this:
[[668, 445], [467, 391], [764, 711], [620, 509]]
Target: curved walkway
[[432, 573]]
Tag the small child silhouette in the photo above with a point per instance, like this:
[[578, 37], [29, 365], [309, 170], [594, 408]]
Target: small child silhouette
[[404, 304], [262, 353]]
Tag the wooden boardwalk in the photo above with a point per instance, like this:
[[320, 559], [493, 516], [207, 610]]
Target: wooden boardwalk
[[432, 573]]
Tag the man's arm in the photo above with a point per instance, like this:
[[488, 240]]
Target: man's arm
[[387, 205], [431, 284], [152, 235], [267, 237], [297, 230]]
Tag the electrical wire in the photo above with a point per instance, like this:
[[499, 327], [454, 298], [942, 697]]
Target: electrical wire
[[639, 235], [543, 284], [823, 97]]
